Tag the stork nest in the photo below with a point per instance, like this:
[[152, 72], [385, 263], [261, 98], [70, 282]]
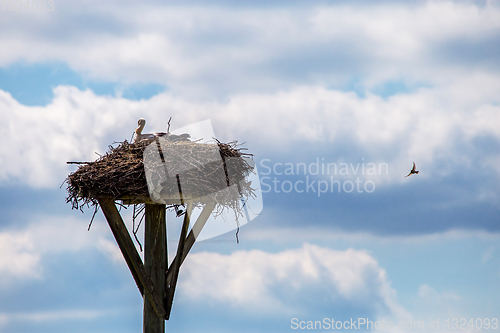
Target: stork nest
[[120, 174]]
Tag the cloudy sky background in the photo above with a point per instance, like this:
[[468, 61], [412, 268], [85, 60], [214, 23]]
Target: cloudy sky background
[[330, 82]]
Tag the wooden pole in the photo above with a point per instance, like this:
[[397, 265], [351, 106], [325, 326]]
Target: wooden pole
[[131, 256], [190, 240], [155, 282], [155, 262], [175, 266]]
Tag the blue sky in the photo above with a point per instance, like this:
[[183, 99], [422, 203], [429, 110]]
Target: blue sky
[[33, 84], [346, 84]]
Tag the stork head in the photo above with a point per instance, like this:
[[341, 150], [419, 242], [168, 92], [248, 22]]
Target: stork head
[[141, 123]]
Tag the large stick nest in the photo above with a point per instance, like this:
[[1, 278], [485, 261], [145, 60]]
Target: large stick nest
[[120, 173]]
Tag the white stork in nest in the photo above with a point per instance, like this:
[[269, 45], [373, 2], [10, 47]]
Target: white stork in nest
[[149, 137]]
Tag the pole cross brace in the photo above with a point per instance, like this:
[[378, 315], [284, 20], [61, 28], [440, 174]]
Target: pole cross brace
[[184, 246], [131, 256]]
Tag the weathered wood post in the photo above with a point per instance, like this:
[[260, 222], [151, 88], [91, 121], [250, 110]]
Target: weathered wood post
[[122, 175], [155, 262], [132, 258]]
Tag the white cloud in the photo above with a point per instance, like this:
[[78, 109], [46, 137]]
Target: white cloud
[[431, 295], [260, 61], [420, 127], [41, 139], [291, 281], [320, 234], [432, 303], [40, 317], [111, 249], [3, 319], [17, 259], [54, 315], [487, 255], [22, 252], [211, 50]]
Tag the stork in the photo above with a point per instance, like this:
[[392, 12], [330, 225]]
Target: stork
[[149, 137]]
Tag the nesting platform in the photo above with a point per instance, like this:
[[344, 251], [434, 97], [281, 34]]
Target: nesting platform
[[161, 175], [120, 174]]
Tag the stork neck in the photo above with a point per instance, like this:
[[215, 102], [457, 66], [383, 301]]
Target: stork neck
[[139, 129]]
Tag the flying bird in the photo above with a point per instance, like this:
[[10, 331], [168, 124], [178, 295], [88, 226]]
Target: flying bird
[[149, 137], [413, 171]]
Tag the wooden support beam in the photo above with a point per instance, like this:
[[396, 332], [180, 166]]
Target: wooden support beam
[[155, 263], [191, 238], [130, 254], [176, 266]]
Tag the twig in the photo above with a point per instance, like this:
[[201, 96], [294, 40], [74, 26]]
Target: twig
[[237, 232], [134, 216], [92, 220], [168, 128]]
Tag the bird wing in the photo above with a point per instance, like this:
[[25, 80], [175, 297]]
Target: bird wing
[[414, 167]]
